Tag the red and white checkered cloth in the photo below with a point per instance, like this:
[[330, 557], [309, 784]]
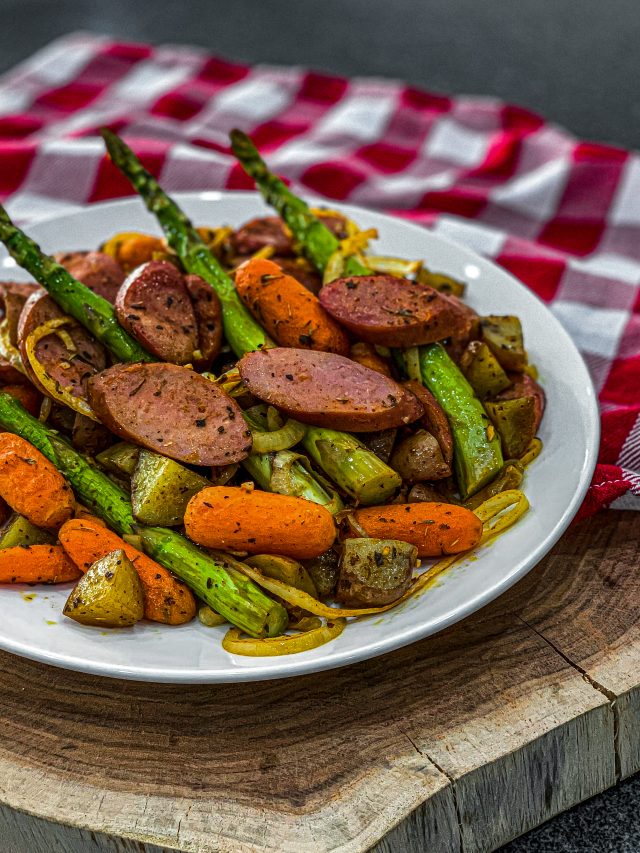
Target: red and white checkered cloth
[[562, 215]]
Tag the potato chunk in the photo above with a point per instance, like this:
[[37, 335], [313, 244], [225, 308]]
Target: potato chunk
[[110, 595]]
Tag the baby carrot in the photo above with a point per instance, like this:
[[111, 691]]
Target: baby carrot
[[131, 249], [36, 564], [166, 599], [31, 485], [290, 313], [434, 528], [366, 355], [234, 519]]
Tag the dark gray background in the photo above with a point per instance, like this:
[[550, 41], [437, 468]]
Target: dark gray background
[[575, 61]]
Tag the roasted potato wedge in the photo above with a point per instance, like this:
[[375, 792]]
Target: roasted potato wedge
[[375, 572], [324, 572], [503, 336], [120, 459], [110, 595], [18, 531], [483, 370], [162, 488], [516, 421]]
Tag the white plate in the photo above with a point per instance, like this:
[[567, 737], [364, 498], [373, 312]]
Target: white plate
[[31, 621]]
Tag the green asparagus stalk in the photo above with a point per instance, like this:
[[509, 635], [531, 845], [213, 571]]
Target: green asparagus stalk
[[288, 473], [353, 467], [75, 298], [285, 472], [342, 455], [243, 333], [477, 453], [213, 578], [317, 242], [240, 601], [92, 487]]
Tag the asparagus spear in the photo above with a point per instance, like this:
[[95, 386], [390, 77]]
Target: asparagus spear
[[317, 242], [353, 467], [477, 456], [75, 298], [242, 332], [213, 578], [239, 600]]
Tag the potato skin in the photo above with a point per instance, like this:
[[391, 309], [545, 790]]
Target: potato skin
[[109, 595]]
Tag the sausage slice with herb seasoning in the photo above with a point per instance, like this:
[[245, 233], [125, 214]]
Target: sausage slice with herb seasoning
[[208, 313], [69, 358], [393, 312], [97, 270], [171, 410], [329, 390], [154, 306]]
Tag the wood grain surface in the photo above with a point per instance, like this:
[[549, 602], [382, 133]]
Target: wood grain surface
[[457, 743]]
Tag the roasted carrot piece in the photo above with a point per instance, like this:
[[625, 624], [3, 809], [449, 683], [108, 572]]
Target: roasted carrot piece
[[27, 395], [366, 355], [31, 485], [166, 599], [37, 564], [131, 249], [434, 528], [236, 519], [285, 308]]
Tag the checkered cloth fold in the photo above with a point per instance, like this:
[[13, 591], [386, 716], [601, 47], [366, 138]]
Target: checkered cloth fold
[[560, 214]]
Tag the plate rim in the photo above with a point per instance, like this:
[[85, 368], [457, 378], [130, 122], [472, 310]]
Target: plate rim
[[384, 645]]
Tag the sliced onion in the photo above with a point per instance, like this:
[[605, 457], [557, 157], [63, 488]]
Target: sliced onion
[[334, 267], [236, 644], [223, 474], [280, 439], [209, 617], [531, 452], [398, 267], [412, 362], [274, 419], [53, 388]]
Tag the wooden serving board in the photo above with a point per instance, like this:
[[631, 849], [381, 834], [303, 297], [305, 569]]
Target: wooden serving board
[[457, 743]]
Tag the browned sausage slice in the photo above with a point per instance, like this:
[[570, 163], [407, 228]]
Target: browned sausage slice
[[13, 295], [434, 418], [525, 386], [154, 305], [70, 369], [99, 272], [263, 231], [394, 312], [208, 312], [171, 410], [326, 389]]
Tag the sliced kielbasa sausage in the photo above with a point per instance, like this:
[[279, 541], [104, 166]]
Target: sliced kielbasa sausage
[[154, 305], [208, 313], [171, 410], [263, 231], [13, 295], [98, 271], [70, 368], [326, 389], [394, 312]]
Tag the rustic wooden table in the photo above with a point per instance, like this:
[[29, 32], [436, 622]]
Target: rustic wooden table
[[458, 743]]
